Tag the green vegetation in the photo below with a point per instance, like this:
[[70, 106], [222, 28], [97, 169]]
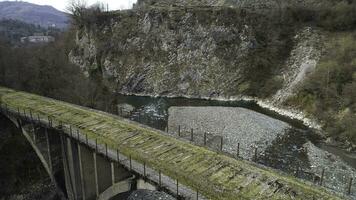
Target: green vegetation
[[330, 15], [330, 92], [217, 176]]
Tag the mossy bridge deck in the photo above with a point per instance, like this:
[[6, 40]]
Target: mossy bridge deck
[[215, 175]]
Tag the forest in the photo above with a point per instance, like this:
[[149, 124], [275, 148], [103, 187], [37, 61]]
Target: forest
[[45, 69]]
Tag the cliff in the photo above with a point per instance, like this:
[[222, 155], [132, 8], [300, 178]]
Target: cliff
[[200, 51], [274, 51]]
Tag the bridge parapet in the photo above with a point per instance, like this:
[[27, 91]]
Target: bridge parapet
[[160, 158]]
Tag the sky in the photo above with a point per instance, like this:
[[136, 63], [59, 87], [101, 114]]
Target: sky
[[62, 4]]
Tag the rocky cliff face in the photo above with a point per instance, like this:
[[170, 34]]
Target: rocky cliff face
[[254, 4], [200, 51]]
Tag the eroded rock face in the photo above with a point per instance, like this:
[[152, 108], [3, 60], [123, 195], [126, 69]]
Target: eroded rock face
[[256, 4], [302, 61], [201, 51]]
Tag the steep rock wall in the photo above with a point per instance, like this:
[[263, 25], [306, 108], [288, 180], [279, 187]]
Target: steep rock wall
[[203, 51]]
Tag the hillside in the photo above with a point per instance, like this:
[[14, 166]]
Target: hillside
[[266, 50], [44, 16]]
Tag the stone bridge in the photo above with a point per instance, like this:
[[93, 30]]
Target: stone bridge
[[104, 156]]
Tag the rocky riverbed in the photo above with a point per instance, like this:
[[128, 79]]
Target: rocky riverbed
[[265, 140], [337, 173], [235, 125], [149, 195]]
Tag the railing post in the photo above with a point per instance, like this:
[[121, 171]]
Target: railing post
[[177, 189], [106, 150], [178, 130], [238, 150], [221, 143], [34, 134], [6, 108], [144, 171], [50, 122], [130, 163], [349, 187], [71, 131], [191, 135], [322, 177], [159, 179], [31, 115], [256, 154], [204, 138]]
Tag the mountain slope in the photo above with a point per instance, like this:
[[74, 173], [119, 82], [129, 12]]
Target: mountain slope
[[289, 55], [34, 14]]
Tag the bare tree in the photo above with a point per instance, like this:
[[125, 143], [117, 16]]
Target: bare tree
[[82, 14]]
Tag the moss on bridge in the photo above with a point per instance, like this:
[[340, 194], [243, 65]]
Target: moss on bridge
[[215, 175]]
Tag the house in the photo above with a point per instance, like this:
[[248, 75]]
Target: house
[[37, 39]]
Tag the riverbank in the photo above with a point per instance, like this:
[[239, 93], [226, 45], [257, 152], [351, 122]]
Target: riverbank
[[271, 108], [290, 113]]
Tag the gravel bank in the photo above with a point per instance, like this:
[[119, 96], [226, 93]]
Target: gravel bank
[[235, 125], [149, 195], [337, 173]]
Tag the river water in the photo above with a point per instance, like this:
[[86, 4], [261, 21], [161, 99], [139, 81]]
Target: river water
[[153, 111], [299, 151]]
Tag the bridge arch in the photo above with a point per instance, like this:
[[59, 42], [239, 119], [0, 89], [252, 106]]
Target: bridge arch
[[40, 155]]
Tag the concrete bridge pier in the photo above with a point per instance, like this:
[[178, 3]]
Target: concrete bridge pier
[[89, 175], [71, 168]]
